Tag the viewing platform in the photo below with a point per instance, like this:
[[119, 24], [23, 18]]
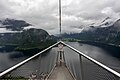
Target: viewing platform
[[60, 73]]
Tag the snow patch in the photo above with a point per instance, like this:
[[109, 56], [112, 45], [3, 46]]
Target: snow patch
[[4, 30], [28, 27]]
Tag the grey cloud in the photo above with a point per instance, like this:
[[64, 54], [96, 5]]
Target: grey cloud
[[4, 9], [44, 13], [91, 15]]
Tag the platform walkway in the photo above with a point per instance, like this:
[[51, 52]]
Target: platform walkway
[[60, 73]]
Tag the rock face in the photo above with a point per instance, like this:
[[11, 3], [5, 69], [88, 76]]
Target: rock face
[[34, 35]]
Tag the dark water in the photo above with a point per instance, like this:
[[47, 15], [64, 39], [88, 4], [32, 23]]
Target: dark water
[[42, 63], [100, 54], [46, 61]]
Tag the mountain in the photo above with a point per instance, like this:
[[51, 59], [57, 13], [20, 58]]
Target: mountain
[[13, 25], [106, 22], [29, 35], [110, 33], [30, 39]]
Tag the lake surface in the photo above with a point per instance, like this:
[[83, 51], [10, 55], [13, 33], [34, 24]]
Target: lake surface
[[100, 54], [45, 62]]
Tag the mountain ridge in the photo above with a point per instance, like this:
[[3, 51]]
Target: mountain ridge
[[14, 25], [25, 40], [109, 34]]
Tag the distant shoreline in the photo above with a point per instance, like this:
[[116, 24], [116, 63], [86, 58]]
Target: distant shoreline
[[113, 49]]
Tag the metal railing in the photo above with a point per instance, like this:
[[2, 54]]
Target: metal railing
[[26, 60], [98, 64]]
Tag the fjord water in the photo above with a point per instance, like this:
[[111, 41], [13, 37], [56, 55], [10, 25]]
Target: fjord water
[[46, 61], [41, 64], [101, 54]]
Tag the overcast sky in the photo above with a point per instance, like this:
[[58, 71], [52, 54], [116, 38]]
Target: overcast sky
[[75, 13]]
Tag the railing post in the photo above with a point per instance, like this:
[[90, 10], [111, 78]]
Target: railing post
[[64, 57], [81, 67], [57, 58], [60, 58]]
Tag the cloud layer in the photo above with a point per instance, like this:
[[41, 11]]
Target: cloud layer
[[75, 13]]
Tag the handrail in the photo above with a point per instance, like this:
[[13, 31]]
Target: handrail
[[93, 60], [26, 60]]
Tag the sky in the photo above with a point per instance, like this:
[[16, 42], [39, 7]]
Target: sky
[[76, 14]]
